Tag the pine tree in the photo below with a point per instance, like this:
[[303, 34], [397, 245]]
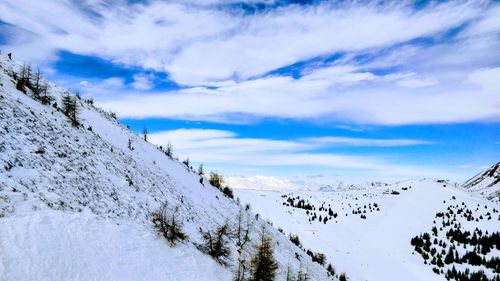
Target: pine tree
[[145, 133], [201, 172], [129, 145], [242, 235], [439, 262], [228, 192], [37, 85], [449, 258], [70, 108], [302, 275], [216, 244], [169, 151], [24, 78], [242, 230], [263, 264], [331, 269], [186, 162], [289, 274], [167, 223], [45, 98], [319, 258]]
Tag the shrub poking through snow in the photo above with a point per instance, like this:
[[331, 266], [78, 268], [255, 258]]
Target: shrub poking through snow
[[331, 269], [295, 240], [215, 244], [216, 180], [228, 192], [167, 223]]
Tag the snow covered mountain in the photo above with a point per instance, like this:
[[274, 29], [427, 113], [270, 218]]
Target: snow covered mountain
[[486, 183], [76, 200], [261, 182]]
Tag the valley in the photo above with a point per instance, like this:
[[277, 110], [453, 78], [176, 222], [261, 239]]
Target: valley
[[368, 231]]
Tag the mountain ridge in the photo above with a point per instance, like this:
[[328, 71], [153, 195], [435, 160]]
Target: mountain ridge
[[486, 183]]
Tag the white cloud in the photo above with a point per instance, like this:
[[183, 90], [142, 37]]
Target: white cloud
[[202, 139], [487, 78], [285, 36], [225, 149], [142, 82], [488, 24], [361, 98], [115, 82], [209, 139], [410, 80], [197, 44], [417, 83], [204, 45], [364, 142]]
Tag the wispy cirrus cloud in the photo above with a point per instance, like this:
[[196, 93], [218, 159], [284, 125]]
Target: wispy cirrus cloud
[[399, 65], [210, 138], [197, 44], [226, 149], [364, 142], [350, 65], [357, 97]]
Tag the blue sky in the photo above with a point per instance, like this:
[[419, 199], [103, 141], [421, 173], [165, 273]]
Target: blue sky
[[287, 88]]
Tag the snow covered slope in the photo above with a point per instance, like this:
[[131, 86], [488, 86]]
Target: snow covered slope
[[53, 245], [261, 182], [75, 201], [486, 183], [368, 232]]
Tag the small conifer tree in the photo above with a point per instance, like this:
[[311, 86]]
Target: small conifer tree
[[145, 133], [216, 244], [263, 264], [70, 108], [167, 223], [169, 151]]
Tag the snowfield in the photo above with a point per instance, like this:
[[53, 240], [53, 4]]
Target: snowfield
[[376, 247], [55, 245], [75, 202]]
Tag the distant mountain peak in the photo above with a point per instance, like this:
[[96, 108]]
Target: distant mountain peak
[[486, 183]]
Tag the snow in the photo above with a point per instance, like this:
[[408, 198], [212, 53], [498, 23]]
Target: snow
[[67, 208], [486, 183], [68, 211], [272, 183], [378, 247], [88, 248]]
